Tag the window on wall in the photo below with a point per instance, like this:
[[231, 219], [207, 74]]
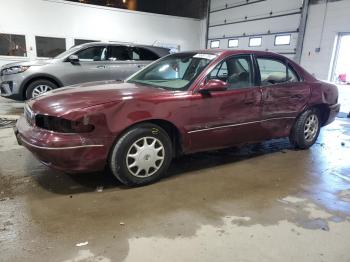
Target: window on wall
[[83, 41], [13, 45], [49, 46], [282, 39], [215, 44], [233, 43], [255, 41], [275, 72]]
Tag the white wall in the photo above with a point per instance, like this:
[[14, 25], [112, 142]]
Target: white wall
[[252, 10], [337, 20], [57, 18]]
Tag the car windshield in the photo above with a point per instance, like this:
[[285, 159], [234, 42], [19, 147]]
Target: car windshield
[[174, 72]]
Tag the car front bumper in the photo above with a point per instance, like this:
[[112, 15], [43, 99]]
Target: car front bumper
[[10, 85], [71, 153]]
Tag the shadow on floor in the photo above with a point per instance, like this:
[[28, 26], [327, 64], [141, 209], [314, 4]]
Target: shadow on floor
[[69, 184]]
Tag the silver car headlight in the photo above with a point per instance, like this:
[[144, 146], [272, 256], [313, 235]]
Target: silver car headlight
[[14, 70]]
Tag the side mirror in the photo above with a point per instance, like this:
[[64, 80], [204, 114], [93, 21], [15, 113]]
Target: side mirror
[[214, 85], [74, 59]]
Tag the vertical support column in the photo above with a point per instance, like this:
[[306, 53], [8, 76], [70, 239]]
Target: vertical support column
[[207, 29], [302, 29]]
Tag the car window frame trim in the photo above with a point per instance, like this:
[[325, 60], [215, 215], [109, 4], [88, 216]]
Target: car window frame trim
[[285, 61], [204, 78], [87, 47]]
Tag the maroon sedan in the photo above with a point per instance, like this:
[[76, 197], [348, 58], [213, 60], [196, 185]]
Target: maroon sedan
[[183, 103]]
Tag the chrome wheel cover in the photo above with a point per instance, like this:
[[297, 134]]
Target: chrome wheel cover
[[40, 89], [311, 127], [145, 157]]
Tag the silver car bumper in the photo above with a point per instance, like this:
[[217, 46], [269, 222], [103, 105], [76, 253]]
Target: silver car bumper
[[10, 84], [6, 88]]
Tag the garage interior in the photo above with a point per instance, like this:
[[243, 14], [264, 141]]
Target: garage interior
[[259, 202]]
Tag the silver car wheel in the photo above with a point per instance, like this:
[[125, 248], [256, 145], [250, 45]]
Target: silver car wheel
[[311, 127], [145, 157], [40, 89]]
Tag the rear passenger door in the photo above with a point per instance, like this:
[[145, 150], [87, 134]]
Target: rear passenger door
[[284, 94], [120, 62], [126, 60]]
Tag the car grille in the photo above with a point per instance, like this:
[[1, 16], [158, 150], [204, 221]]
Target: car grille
[[29, 115]]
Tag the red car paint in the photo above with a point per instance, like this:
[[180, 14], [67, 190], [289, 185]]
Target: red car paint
[[200, 122]]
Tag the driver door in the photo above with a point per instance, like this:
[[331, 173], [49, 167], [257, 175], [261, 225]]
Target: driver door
[[92, 66], [231, 117]]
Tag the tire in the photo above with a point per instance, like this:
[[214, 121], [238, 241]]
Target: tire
[[41, 84], [126, 158], [306, 129]]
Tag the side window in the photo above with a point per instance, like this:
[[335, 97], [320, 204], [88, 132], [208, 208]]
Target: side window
[[275, 72], [119, 53], [96, 53], [237, 71], [138, 53], [272, 71]]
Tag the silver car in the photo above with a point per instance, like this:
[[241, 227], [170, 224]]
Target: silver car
[[84, 63]]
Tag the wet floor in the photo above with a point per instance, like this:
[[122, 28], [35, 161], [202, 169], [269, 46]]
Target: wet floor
[[265, 202]]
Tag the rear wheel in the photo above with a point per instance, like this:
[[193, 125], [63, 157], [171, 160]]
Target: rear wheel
[[39, 87], [306, 129], [141, 156]]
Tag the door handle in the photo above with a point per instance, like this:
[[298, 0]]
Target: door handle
[[101, 67], [140, 66]]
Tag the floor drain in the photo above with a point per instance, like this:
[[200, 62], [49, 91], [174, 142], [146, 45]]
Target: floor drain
[[7, 123]]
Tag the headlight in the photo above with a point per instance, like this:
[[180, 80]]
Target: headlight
[[62, 125], [14, 70]]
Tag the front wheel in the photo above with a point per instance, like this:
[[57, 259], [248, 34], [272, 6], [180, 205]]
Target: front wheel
[[39, 87], [141, 156], [306, 129]]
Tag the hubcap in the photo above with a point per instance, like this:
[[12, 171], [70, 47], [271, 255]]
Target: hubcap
[[145, 157], [311, 128], [40, 89]]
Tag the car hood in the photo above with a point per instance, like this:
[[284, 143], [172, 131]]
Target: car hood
[[65, 100], [29, 63]]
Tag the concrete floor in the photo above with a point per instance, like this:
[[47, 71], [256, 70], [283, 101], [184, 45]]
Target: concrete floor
[[263, 202]]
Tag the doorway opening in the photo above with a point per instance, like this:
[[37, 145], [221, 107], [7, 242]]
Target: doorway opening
[[341, 66], [341, 70]]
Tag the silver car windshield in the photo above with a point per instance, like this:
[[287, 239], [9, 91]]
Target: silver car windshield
[[174, 72]]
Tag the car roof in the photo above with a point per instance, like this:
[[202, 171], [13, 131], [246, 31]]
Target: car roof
[[228, 52], [118, 44], [160, 51]]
